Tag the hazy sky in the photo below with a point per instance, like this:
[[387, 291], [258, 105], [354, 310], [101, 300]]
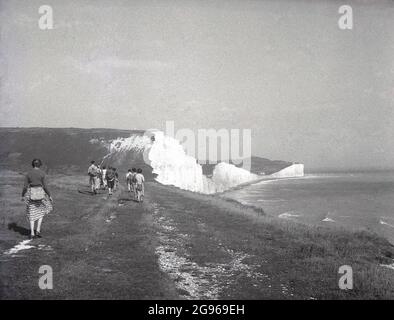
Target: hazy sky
[[309, 91]]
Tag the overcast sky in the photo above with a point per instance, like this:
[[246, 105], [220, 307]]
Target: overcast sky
[[309, 91]]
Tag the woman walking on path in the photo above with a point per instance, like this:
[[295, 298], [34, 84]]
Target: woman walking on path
[[140, 185], [37, 197]]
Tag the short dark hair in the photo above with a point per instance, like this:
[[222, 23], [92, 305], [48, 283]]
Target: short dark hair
[[92, 161], [104, 167], [36, 163], [134, 170], [129, 170], [139, 170]]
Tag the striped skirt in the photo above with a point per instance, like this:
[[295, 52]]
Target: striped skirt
[[37, 209]]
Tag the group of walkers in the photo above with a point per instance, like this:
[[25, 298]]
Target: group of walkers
[[38, 198], [103, 178], [135, 181]]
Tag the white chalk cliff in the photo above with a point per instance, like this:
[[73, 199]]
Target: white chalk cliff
[[295, 170]]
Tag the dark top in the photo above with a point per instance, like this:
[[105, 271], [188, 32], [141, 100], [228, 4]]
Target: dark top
[[110, 175], [35, 178]]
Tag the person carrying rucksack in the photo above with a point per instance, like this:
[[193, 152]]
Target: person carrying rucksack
[[110, 176], [140, 188], [129, 176], [93, 172], [116, 179], [104, 172], [134, 182]]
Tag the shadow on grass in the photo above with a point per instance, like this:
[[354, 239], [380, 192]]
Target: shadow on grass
[[21, 230], [125, 199], [90, 193]]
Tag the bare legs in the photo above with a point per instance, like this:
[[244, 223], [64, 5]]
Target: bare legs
[[39, 221], [110, 185], [140, 193], [32, 228], [94, 184], [39, 225]]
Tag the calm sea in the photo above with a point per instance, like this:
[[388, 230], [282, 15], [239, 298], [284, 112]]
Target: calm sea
[[359, 200]]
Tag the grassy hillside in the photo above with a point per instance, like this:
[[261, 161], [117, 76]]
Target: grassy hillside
[[60, 148], [71, 149]]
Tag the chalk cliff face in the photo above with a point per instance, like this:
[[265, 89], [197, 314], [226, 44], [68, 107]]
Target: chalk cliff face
[[174, 167], [226, 176], [295, 170]]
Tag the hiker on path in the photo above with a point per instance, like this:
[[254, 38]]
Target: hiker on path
[[129, 183], [110, 176], [104, 172], [37, 197], [93, 172], [134, 182], [100, 177], [139, 177], [116, 179]]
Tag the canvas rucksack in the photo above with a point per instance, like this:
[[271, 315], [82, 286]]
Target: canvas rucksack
[[37, 193], [93, 171], [110, 175]]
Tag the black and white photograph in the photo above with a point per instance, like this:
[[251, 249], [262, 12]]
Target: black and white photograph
[[196, 150]]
